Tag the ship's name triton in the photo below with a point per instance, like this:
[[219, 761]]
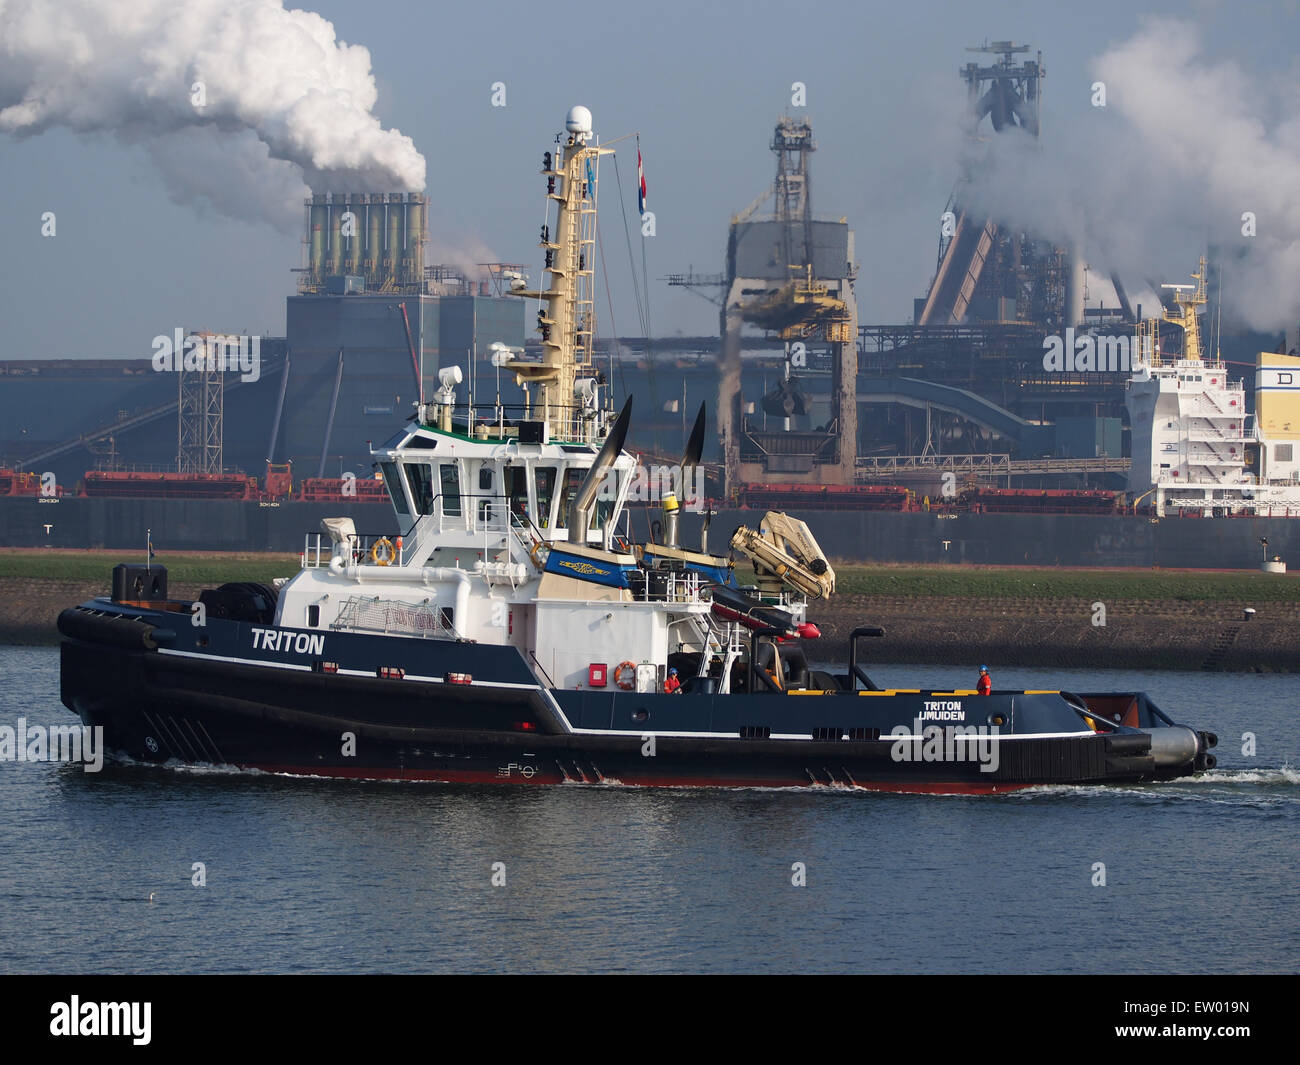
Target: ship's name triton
[[275, 640]]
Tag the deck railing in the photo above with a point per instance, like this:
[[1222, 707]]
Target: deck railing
[[362, 613]]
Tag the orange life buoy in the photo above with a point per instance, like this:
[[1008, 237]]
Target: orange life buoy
[[629, 684]]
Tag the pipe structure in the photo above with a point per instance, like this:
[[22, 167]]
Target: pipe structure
[[393, 253], [580, 509], [316, 237], [672, 511], [329, 424], [336, 238], [403, 260], [856, 672], [1074, 290], [1122, 296], [279, 410], [357, 207], [415, 237], [374, 241]]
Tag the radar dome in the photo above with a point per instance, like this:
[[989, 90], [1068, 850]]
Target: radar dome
[[579, 121]]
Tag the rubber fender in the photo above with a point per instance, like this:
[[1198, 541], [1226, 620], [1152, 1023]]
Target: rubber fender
[[128, 633], [1128, 744]]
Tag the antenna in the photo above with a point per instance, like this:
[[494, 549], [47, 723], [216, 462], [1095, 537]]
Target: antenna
[[1218, 319], [567, 320]]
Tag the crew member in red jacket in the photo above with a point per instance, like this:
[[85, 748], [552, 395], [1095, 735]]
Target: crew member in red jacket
[[985, 684], [672, 684]]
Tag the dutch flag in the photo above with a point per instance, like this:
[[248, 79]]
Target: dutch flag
[[640, 188]]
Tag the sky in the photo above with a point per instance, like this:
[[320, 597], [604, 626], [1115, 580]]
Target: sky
[[163, 219]]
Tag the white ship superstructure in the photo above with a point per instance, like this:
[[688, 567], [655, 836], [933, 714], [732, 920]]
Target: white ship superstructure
[[1196, 450], [508, 520]]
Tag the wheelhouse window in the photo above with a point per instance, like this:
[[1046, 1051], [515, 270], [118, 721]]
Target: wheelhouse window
[[450, 481], [545, 492], [420, 477], [395, 490], [606, 499], [604, 510], [517, 490], [572, 481]]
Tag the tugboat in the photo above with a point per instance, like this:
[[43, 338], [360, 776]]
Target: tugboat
[[511, 631]]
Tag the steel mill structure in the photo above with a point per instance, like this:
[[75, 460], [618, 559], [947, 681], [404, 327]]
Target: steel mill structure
[[365, 242], [791, 274]]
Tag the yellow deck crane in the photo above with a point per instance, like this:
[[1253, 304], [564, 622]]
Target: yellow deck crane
[[784, 552]]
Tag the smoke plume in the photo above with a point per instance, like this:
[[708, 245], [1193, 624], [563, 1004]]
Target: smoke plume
[[466, 253], [1182, 149], [238, 102]]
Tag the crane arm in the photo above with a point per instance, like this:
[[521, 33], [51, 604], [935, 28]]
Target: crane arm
[[785, 548], [745, 215]]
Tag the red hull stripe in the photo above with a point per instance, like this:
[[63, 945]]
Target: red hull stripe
[[473, 776]]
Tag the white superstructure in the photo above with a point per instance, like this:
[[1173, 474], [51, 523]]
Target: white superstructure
[[508, 522], [1195, 448]]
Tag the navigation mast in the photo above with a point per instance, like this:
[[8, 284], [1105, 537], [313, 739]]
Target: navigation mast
[[566, 377], [1185, 317]]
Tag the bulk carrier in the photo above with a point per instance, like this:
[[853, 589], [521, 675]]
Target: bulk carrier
[[512, 631], [1196, 450]]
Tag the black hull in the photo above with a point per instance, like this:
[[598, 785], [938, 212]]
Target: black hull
[[189, 708]]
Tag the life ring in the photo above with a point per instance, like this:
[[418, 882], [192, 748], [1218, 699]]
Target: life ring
[[626, 685], [388, 555]]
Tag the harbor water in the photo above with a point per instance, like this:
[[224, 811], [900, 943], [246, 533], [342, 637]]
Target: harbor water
[[145, 870]]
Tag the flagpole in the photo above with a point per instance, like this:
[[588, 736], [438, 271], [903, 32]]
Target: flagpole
[[148, 549]]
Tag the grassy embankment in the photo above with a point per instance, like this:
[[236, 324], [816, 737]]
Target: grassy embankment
[[1192, 586], [183, 570], [36, 585], [1174, 619]]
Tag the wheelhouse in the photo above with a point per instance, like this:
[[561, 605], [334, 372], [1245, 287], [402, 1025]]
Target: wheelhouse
[[448, 483]]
